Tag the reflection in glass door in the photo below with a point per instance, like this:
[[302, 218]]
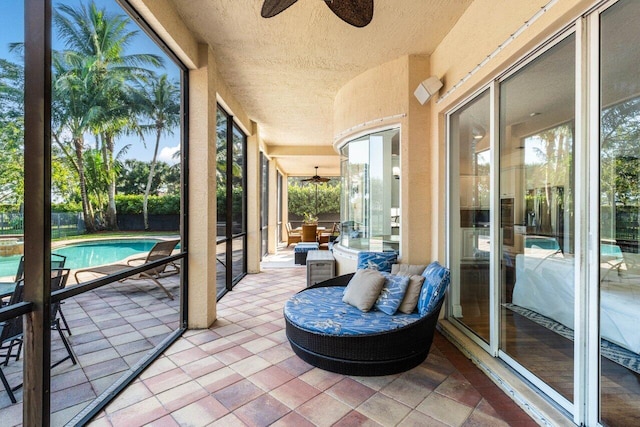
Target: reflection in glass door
[[470, 139], [620, 214], [537, 109]]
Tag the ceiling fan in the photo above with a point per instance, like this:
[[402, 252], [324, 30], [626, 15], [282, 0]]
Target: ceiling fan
[[355, 12], [316, 179]]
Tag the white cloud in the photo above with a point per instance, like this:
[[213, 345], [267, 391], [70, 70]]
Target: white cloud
[[166, 155]]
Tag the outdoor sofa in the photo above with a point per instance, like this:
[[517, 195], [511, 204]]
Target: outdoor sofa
[[329, 333]]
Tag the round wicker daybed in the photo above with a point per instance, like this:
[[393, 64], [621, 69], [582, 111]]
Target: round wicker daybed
[[359, 352]]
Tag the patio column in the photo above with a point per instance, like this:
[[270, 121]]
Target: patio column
[[37, 207], [202, 191]]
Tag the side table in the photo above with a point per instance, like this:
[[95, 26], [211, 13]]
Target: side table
[[321, 266], [301, 249]]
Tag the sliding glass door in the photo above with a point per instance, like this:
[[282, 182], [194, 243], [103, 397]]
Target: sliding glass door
[[561, 294], [537, 109], [471, 227], [619, 216]]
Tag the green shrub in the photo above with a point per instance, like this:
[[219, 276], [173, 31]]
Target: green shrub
[[164, 205], [129, 204], [66, 207], [221, 200], [158, 205], [302, 198], [9, 208]]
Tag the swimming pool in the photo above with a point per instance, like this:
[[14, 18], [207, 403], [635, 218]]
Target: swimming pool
[[88, 254]]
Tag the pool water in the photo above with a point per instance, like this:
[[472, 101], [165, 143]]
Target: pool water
[[87, 254]]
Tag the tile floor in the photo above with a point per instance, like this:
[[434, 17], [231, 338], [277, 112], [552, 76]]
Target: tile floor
[[113, 327], [242, 372]]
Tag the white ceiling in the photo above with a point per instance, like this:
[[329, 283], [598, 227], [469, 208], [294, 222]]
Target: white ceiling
[[286, 70]]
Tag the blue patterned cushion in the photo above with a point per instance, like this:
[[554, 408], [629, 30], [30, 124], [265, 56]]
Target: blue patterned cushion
[[381, 261], [436, 280], [392, 293], [306, 247], [322, 310]]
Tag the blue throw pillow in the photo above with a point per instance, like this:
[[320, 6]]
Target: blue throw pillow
[[436, 280], [381, 261], [392, 293]]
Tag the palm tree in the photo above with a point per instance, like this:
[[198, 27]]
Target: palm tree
[[11, 132], [96, 72], [98, 176], [97, 179], [72, 113], [160, 103], [117, 117]]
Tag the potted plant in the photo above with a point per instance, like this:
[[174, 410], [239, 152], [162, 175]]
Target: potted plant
[[309, 219], [309, 227]]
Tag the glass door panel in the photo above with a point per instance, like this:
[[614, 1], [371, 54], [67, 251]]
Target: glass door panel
[[231, 147], [356, 191], [264, 204], [238, 247], [370, 213], [221, 202], [620, 215], [221, 268], [470, 144], [537, 106]]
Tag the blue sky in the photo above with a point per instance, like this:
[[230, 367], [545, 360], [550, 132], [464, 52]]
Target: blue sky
[[12, 30]]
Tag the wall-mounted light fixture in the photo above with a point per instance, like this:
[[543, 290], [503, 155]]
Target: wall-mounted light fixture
[[427, 89], [395, 171]]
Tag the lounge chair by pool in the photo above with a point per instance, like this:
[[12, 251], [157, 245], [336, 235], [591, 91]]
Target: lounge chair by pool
[[159, 250]]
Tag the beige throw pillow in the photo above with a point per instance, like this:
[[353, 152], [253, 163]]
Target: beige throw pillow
[[363, 289], [410, 300], [407, 269]]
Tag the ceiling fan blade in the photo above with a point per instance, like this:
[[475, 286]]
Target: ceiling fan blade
[[271, 8], [316, 179], [355, 12]]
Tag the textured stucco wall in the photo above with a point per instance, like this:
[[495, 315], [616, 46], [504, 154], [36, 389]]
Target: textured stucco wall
[[382, 97], [163, 18], [488, 24]]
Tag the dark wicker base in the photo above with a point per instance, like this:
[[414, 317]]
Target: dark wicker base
[[382, 353], [300, 258]]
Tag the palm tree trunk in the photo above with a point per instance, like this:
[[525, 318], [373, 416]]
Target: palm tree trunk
[[112, 222], [86, 208], [147, 190]]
